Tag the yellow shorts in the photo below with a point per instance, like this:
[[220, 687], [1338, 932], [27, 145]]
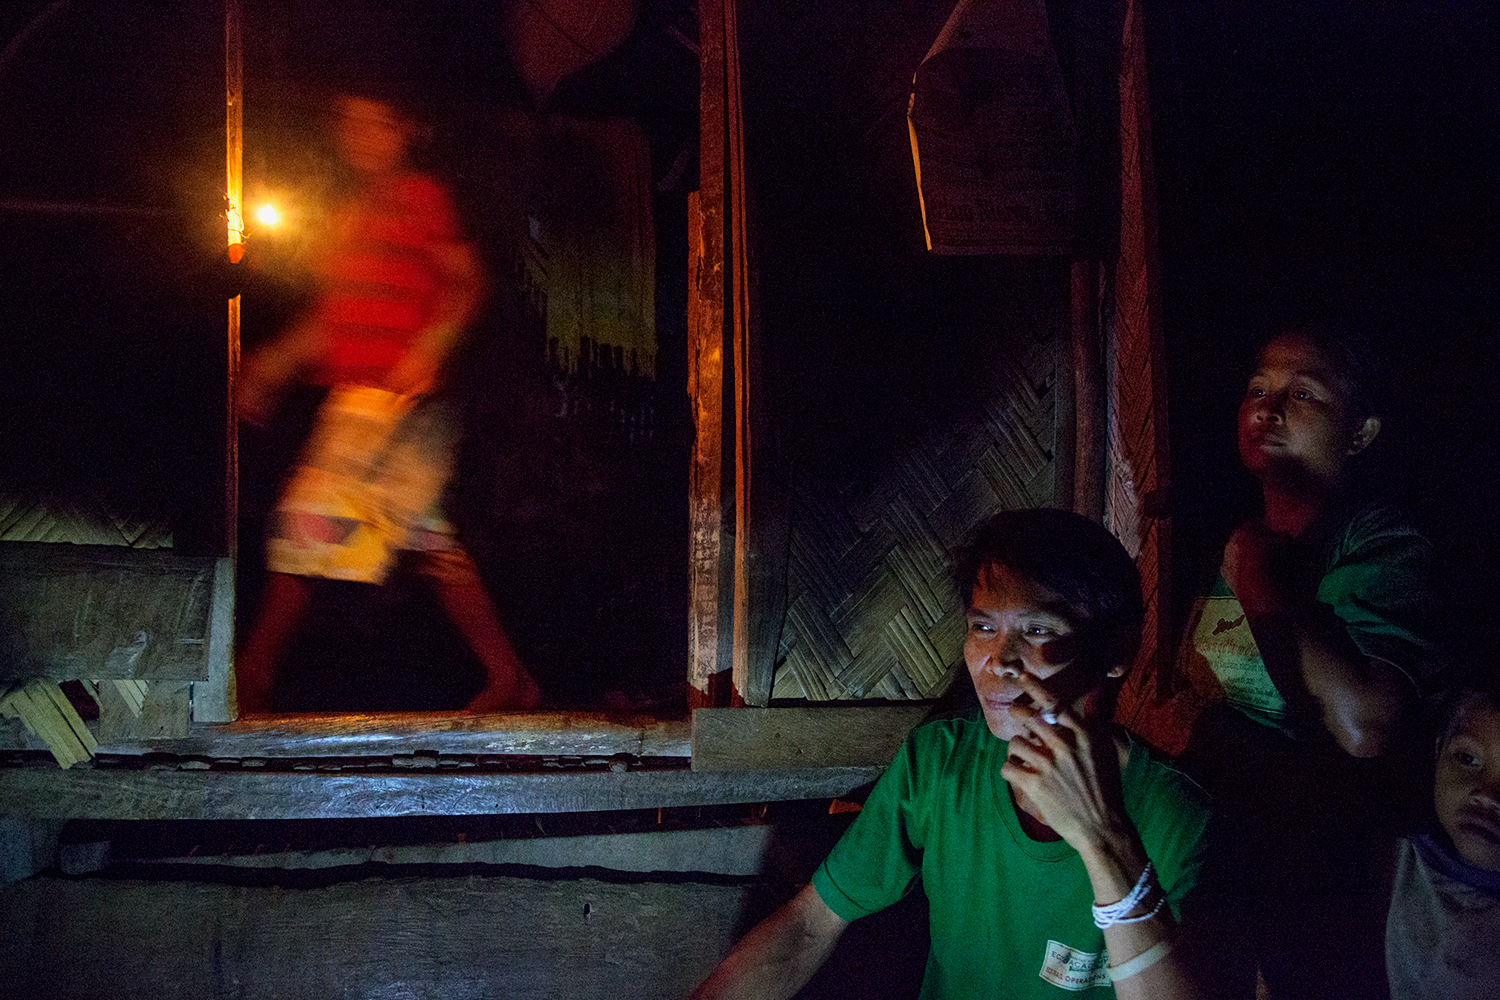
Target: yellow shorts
[[368, 485]]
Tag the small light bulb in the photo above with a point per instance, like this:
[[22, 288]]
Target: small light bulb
[[267, 215]]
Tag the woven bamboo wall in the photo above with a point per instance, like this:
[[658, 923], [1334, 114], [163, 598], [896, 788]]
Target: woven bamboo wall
[[86, 518], [871, 610]]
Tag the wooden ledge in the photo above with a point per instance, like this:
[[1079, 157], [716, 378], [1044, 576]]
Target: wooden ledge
[[395, 734], [46, 791]]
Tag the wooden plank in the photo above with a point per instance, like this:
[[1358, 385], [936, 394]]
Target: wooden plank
[[397, 733], [103, 611], [768, 738], [737, 334], [50, 719], [469, 938], [99, 793], [736, 851], [401, 733], [214, 700]]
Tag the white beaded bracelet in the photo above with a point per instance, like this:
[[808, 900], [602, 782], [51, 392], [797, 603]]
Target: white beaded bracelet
[[1140, 963], [1161, 900], [1114, 913]]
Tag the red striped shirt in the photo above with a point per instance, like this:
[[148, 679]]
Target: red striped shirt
[[382, 281]]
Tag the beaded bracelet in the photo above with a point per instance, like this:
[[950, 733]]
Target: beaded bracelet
[[1117, 913], [1161, 900]]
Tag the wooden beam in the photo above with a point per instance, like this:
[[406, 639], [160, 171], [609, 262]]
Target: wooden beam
[[751, 607], [749, 739], [461, 938], [738, 851], [46, 791]]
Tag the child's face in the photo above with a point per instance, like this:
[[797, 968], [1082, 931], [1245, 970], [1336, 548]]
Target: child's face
[[1295, 415], [371, 135], [1466, 788]]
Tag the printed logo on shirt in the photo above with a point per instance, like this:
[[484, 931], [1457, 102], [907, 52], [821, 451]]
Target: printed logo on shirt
[[1225, 624], [1223, 649], [1074, 969]]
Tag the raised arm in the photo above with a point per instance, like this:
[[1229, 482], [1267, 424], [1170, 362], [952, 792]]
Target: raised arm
[[1071, 777], [265, 373], [1307, 649], [779, 955], [463, 285]]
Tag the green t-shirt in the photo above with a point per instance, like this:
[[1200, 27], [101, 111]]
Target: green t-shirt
[[1375, 575], [1010, 917]]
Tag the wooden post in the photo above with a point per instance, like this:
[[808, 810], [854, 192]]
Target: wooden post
[[1138, 425], [234, 79], [746, 614], [1089, 395], [737, 332], [709, 632], [215, 701], [757, 574]]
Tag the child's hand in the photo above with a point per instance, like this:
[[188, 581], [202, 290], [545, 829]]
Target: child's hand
[[1068, 773], [414, 375], [254, 398]]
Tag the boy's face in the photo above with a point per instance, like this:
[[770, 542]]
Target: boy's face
[[1016, 626], [1295, 414], [371, 135], [1466, 788]]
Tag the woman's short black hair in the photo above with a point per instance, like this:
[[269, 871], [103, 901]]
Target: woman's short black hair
[[1071, 556]]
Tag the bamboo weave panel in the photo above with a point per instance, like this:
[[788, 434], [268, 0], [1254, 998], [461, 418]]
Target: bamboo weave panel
[[86, 519], [872, 611]]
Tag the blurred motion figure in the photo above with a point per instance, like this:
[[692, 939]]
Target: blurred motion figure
[[396, 287]]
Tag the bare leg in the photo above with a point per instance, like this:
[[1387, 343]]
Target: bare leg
[[282, 609], [508, 685]]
